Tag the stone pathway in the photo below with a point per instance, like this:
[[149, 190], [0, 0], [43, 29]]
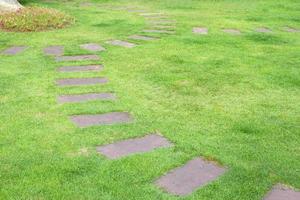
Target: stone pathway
[[83, 68], [281, 192], [121, 43], [54, 51], [85, 97], [81, 81], [14, 50], [141, 37], [263, 30], [195, 174], [200, 30], [92, 47], [133, 146], [77, 58], [232, 31]]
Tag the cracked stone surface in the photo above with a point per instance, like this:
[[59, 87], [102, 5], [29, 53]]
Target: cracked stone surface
[[133, 146], [193, 175], [101, 119]]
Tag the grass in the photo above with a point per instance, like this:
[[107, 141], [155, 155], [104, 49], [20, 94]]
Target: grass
[[234, 100], [33, 19]]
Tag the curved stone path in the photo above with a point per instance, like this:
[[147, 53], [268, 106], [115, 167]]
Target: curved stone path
[[180, 181]]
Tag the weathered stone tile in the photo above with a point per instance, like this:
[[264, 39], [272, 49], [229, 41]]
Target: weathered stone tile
[[121, 43], [77, 58], [81, 81], [14, 50], [281, 192], [82, 68], [85, 97], [200, 30], [133, 146], [186, 179], [141, 37], [102, 119], [54, 50], [92, 47]]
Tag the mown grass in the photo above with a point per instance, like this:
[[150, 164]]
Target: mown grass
[[230, 99]]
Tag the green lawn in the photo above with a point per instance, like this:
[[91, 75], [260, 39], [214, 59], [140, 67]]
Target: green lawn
[[232, 99]]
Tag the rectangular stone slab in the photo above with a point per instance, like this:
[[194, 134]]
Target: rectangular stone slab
[[141, 37], [158, 31], [85, 97], [77, 58], [232, 31], [81, 81], [121, 43], [200, 30], [80, 68], [14, 50], [193, 175], [162, 22], [54, 50], [133, 146], [92, 47], [102, 119], [280, 192]]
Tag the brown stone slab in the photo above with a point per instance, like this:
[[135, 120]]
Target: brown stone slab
[[121, 43], [54, 50], [84, 68], [85, 97], [133, 146], [281, 192], [193, 175], [14, 50], [232, 31], [102, 119], [200, 30], [158, 31], [141, 37], [263, 30], [92, 47], [81, 81], [77, 58]]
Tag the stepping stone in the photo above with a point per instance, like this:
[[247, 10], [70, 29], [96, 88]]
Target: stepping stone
[[161, 22], [158, 31], [232, 31], [186, 179], [141, 37], [77, 58], [133, 146], [84, 68], [14, 50], [85, 97], [164, 27], [81, 81], [151, 14], [102, 119], [121, 43], [92, 47], [54, 50], [291, 30], [263, 30], [281, 192], [200, 30]]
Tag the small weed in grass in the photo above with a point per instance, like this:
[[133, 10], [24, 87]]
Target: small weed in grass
[[34, 19]]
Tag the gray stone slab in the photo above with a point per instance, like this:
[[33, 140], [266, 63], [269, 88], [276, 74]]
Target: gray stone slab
[[81, 81], [232, 31], [54, 50], [292, 30], [263, 30], [281, 192], [83, 68], [158, 31], [102, 119], [133, 146], [141, 37], [85, 97], [193, 175], [77, 58], [14, 50], [92, 47], [121, 43], [200, 30]]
